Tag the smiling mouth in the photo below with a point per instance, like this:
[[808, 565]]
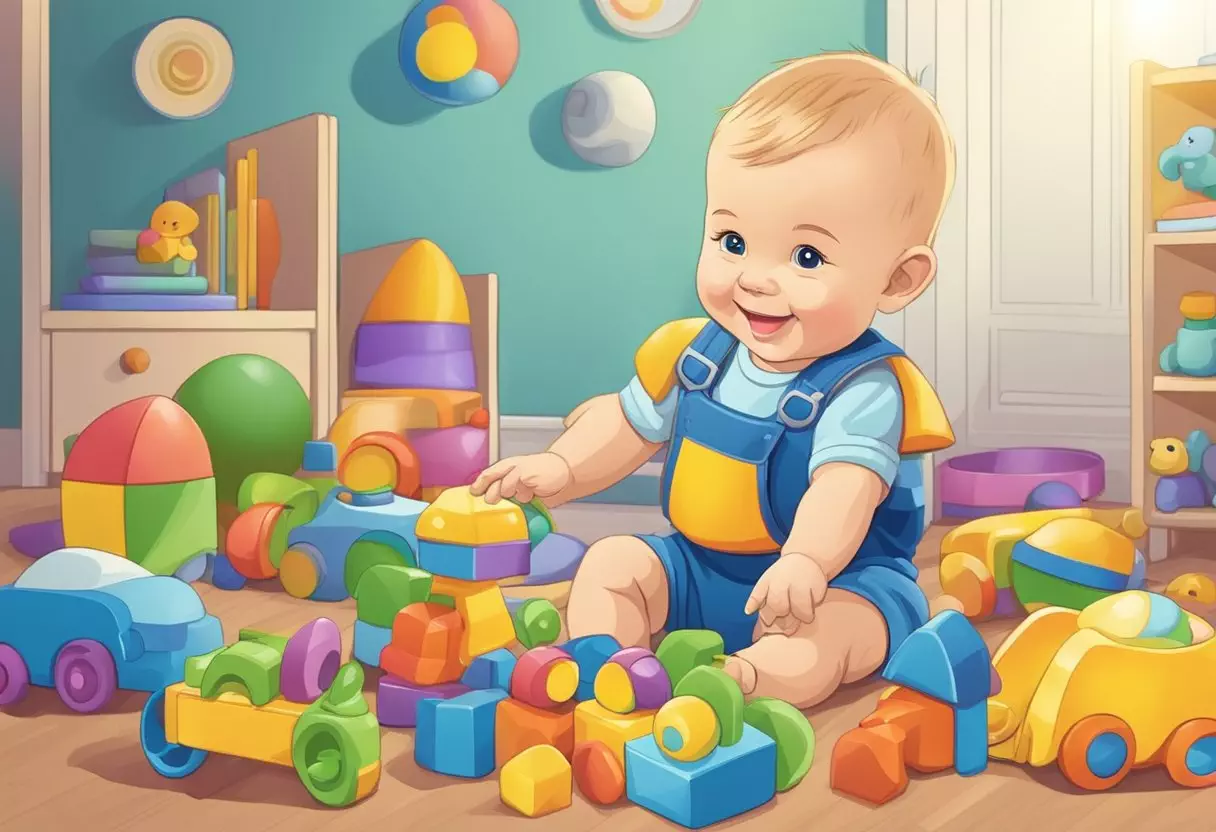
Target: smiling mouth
[[764, 326]]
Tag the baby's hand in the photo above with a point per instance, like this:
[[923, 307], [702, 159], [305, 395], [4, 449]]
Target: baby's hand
[[522, 478], [787, 593]]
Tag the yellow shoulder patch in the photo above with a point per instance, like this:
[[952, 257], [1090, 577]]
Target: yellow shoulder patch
[[655, 361], [926, 428]]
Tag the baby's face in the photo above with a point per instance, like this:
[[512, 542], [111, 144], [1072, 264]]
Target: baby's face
[[798, 256]]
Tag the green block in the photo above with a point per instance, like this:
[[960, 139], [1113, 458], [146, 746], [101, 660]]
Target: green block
[[444, 600], [335, 738], [791, 730], [683, 650], [299, 497], [250, 667], [269, 639], [196, 666], [539, 520], [1034, 588], [374, 549], [722, 693], [384, 590], [170, 524], [537, 623]]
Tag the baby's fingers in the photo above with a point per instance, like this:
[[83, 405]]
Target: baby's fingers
[[802, 604], [759, 594], [777, 606], [492, 474]]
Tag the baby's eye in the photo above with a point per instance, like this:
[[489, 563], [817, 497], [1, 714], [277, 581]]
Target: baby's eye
[[807, 257], [732, 243]]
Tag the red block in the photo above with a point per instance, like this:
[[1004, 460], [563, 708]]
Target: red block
[[544, 677]]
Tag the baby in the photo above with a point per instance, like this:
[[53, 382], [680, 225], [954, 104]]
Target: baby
[[791, 426]]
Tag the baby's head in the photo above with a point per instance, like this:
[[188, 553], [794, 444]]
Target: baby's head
[[826, 184]]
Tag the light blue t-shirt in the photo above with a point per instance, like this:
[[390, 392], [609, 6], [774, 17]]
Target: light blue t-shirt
[[862, 424]]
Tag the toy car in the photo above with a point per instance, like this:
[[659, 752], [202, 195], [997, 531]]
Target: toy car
[[235, 701], [88, 623], [1078, 692]]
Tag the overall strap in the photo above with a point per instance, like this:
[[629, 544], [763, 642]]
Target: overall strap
[[802, 403], [700, 364]]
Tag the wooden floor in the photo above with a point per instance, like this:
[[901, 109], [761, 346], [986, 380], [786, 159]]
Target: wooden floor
[[65, 772]]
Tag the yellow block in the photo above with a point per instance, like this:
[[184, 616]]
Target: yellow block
[[422, 286], [452, 407], [94, 516], [458, 517], [537, 781], [592, 721], [686, 729], [487, 622], [1198, 306], [394, 415], [230, 724]]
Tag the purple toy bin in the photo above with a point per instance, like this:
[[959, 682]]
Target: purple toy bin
[[998, 482]]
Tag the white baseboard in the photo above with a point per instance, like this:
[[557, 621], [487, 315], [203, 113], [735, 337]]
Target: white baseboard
[[10, 457]]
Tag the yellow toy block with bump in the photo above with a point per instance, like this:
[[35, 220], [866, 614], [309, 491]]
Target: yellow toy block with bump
[[458, 517], [94, 516], [487, 622], [655, 361], [593, 722], [229, 724], [537, 781]]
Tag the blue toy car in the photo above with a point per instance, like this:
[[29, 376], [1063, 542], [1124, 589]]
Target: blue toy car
[[88, 623]]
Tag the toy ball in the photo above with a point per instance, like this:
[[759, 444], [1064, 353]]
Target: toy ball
[[686, 729], [1070, 562], [1143, 619], [458, 52], [609, 118], [254, 415], [1052, 494]]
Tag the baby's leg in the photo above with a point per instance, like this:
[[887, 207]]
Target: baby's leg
[[846, 642], [620, 590]]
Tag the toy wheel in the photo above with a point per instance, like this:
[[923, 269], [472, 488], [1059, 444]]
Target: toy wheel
[[967, 578], [85, 676], [193, 569], [322, 755], [1097, 752], [1190, 754], [168, 759], [300, 570], [14, 676]]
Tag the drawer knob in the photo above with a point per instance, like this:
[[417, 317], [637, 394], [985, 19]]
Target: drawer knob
[[135, 360]]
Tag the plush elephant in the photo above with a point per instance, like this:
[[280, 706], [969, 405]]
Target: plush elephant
[[1191, 160]]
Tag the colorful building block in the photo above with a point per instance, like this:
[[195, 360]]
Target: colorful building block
[[423, 285], [369, 642], [791, 730], [361, 415], [222, 575], [590, 653], [311, 659], [723, 695], [456, 736], [93, 516], [686, 729], [488, 624], [252, 545], [451, 456], [386, 589], [729, 781], [598, 773], [490, 670], [537, 623], [381, 459], [249, 666], [536, 782], [519, 726], [457, 516], [487, 562], [428, 408], [397, 699], [682, 650], [595, 723], [544, 677], [633, 679], [540, 521], [425, 648], [555, 558]]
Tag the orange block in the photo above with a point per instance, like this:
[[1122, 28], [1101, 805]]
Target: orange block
[[598, 773], [868, 763], [425, 646], [449, 407], [381, 459], [927, 724], [422, 285], [519, 726]]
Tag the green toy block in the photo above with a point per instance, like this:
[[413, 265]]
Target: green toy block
[[196, 666], [248, 667], [791, 730], [374, 549], [384, 590], [537, 623], [299, 497], [683, 650], [722, 693], [269, 639], [335, 738], [539, 520], [445, 600], [170, 524]]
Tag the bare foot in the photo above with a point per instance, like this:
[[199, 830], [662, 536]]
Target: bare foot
[[743, 672]]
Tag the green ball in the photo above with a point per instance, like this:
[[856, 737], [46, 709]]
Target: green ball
[[1035, 590], [254, 414]]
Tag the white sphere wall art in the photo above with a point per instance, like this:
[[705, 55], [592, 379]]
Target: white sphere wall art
[[648, 18], [609, 118]]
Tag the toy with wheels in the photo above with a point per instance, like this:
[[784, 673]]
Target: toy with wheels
[[232, 703], [89, 623], [975, 557], [1066, 697], [351, 532]]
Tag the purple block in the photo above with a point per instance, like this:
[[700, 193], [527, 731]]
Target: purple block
[[451, 456], [415, 355], [1006, 603], [149, 303], [413, 338], [488, 562], [555, 559], [37, 539], [397, 700]]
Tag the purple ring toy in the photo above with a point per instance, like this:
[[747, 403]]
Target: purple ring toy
[[998, 482]]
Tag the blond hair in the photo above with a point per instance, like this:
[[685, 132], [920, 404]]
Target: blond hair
[[810, 102]]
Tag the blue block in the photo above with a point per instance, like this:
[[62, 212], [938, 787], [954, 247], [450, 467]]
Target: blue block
[[369, 641], [456, 736], [590, 653], [945, 659], [224, 576], [971, 739], [320, 457], [488, 562], [490, 670], [729, 781]]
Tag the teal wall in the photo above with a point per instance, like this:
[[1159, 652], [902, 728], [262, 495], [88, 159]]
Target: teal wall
[[590, 260]]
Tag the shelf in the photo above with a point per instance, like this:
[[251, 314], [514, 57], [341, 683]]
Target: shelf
[[1183, 384], [1162, 239], [250, 319], [1185, 75], [1187, 518]]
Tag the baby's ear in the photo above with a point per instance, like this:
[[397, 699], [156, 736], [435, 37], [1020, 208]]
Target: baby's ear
[[912, 274]]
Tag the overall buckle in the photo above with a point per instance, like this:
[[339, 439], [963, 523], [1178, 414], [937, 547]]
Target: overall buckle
[[711, 371], [795, 401]]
